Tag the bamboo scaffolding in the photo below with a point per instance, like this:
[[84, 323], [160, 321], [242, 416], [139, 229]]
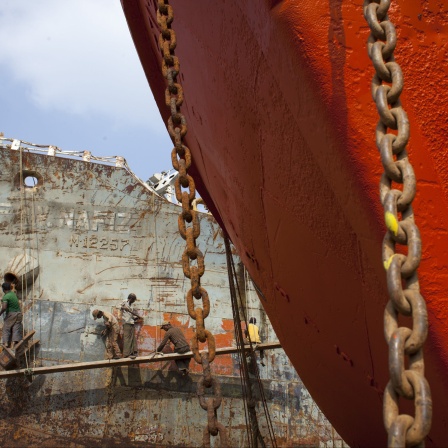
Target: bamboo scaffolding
[[123, 361]]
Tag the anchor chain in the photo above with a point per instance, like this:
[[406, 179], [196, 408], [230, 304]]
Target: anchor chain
[[189, 226], [402, 279]]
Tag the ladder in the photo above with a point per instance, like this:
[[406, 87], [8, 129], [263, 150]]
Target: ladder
[[11, 358]]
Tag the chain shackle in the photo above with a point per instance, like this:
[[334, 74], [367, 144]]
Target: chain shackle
[[406, 364]]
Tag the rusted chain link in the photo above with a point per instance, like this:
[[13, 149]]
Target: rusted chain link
[[402, 280], [181, 160]]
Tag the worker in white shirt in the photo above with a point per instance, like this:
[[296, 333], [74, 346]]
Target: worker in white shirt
[[129, 316]]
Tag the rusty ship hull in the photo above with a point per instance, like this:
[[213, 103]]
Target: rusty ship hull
[[82, 235], [281, 125]]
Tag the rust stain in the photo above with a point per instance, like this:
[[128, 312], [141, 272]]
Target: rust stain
[[83, 233]]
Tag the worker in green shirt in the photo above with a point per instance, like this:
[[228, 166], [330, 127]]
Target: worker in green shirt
[[12, 326]]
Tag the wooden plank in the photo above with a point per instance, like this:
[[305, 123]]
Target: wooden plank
[[7, 358], [26, 348], [26, 337], [123, 362]]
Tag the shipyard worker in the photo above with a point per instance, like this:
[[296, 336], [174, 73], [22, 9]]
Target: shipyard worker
[[129, 316], [254, 336], [175, 335], [111, 331], [252, 329], [12, 326]]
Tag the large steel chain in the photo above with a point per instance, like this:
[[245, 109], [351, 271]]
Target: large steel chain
[[402, 280], [189, 226]]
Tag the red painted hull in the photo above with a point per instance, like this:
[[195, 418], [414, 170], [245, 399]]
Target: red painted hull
[[281, 125]]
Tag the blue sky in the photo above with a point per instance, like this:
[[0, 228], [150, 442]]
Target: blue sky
[[70, 77]]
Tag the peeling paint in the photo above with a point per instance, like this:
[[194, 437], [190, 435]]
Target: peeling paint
[[95, 245]]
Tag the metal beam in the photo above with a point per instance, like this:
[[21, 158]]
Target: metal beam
[[123, 361]]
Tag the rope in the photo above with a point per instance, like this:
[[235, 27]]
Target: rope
[[36, 249], [156, 287], [254, 435], [23, 240], [247, 292], [250, 304], [257, 371], [24, 287], [249, 403], [244, 373], [28, 372]]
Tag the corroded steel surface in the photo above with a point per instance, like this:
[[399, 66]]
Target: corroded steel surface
[[94, 234], [278, 101]]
